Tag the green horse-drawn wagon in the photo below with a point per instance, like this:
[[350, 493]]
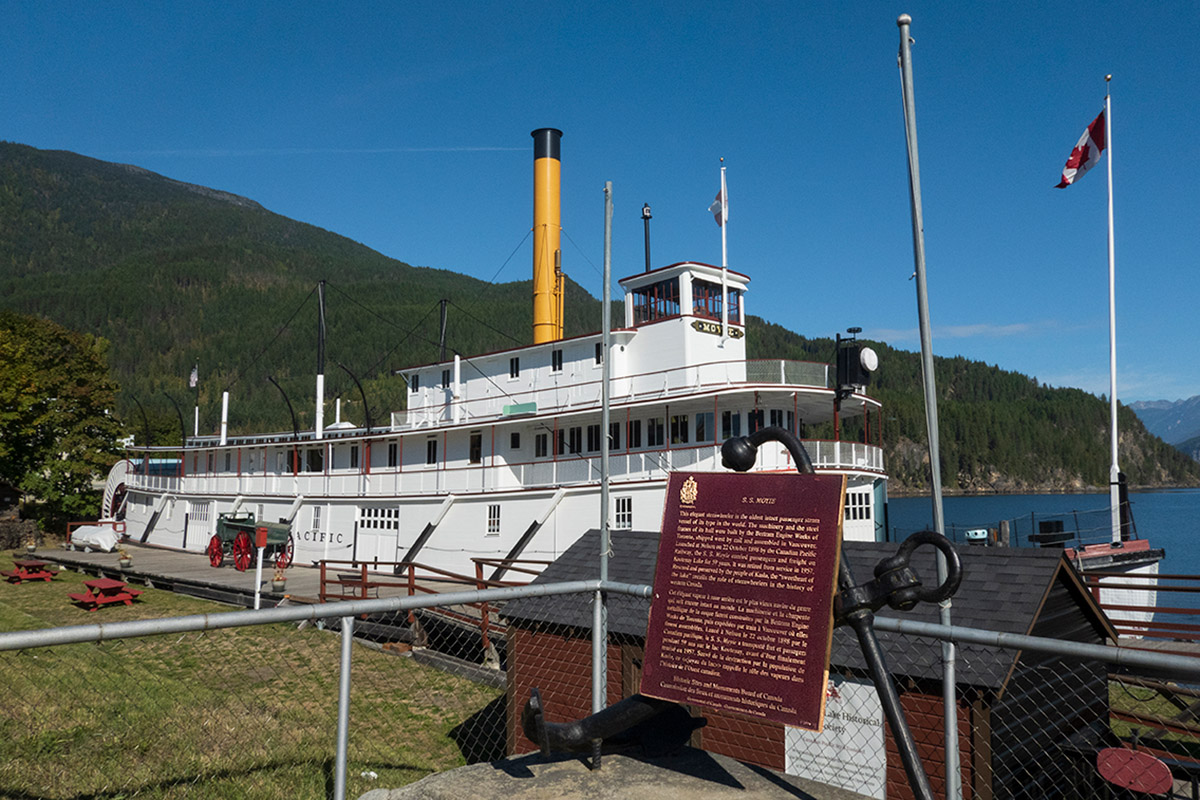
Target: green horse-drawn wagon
[[236, 536]]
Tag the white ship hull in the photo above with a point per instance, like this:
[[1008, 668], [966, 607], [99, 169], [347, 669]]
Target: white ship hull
[[365, 518]]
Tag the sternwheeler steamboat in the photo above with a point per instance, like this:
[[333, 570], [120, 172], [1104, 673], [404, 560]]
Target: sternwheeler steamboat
[[498, 456]]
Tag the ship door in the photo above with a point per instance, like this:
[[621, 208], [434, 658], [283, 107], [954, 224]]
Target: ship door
[[378, 529]]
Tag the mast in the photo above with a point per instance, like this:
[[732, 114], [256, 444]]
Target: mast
[[646, 231], [319, 425], [442, 334]]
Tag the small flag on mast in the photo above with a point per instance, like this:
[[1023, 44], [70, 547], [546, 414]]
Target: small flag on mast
[[718, 210], [720, 207], [195, 378], [1086, 153]]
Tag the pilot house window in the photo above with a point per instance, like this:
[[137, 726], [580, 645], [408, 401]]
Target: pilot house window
[[706, 301], [656, 301]]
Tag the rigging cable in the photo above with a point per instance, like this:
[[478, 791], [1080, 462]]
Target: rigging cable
[[492, 282], [238, 375], [613, 291], [484, 324], [410, 333]]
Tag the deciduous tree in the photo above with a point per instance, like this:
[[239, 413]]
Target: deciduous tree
[[57, 432]]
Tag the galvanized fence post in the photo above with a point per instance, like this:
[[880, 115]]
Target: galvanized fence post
[[343, 720]]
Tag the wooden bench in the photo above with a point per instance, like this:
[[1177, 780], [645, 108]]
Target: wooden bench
[[354, 580]]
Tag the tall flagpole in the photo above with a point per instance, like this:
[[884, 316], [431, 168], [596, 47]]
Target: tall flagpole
[[953, 774], [724, 195], [1114, 472], [724, 217]]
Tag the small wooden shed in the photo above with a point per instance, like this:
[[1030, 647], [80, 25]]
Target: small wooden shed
[[1027, 721]]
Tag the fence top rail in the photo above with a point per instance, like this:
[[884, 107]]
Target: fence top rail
[[1181, 666], [48, 637]]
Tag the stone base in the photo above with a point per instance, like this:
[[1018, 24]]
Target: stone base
[[686, 776]]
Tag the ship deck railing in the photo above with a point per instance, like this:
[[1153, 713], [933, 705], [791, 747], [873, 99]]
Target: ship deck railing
[[561, 394], [564, 470], [1076, 529]]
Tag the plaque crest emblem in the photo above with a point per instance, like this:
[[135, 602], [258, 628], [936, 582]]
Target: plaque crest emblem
[[689, 492]]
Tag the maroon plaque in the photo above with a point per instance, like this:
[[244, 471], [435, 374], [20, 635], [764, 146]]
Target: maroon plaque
[[742, 613]]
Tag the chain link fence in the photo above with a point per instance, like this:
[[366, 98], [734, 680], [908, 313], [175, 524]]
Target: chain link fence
[[1046, 723], [188, 707], [200, 710]]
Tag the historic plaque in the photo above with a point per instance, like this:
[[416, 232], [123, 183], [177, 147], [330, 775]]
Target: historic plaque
[[742, 613]]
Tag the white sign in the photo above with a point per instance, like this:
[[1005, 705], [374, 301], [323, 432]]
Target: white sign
[[849, 752]]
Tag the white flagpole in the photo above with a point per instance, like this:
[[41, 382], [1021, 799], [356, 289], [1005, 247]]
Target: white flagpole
[[724, 258], [724, 218], [1114, 473]]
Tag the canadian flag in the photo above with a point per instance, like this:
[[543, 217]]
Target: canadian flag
[[1086, 154]]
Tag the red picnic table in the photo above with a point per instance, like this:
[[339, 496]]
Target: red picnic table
[[29, 569], [103, 591]]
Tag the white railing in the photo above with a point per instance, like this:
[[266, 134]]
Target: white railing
[[565, 471], [660, 383]]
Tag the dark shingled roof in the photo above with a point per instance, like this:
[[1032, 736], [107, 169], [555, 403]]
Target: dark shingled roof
[[634, 554], [1002, 590]]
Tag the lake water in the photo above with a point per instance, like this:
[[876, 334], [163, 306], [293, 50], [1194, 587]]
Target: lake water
[[1170, 519]]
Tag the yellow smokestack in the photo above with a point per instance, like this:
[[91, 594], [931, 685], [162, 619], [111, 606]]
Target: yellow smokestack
[[547, 227]]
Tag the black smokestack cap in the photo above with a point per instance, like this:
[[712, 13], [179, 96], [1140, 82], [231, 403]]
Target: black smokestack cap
[[545, 143]]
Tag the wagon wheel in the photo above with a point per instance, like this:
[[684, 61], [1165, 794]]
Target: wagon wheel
[[216, 551], [242, 551], [287, 551]]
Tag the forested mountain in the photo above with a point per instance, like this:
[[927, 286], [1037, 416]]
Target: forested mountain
[[1190, 448], [999, 431], [173, 274]]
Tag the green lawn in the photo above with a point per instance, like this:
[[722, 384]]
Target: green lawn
[[1156, 707], [239, 713]]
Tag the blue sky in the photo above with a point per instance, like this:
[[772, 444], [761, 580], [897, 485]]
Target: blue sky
[[405, 126]]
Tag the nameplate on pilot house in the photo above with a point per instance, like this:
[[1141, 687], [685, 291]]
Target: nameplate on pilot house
[[742, 614]]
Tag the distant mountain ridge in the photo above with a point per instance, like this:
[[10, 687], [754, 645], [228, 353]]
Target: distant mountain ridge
[[1190, 448], [204, 191], [1175, 421], [174, 274]]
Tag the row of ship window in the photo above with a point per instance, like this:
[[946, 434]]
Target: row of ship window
[[678, 429], [388, 518], [514, 368], [858, 507], [655, 432]]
